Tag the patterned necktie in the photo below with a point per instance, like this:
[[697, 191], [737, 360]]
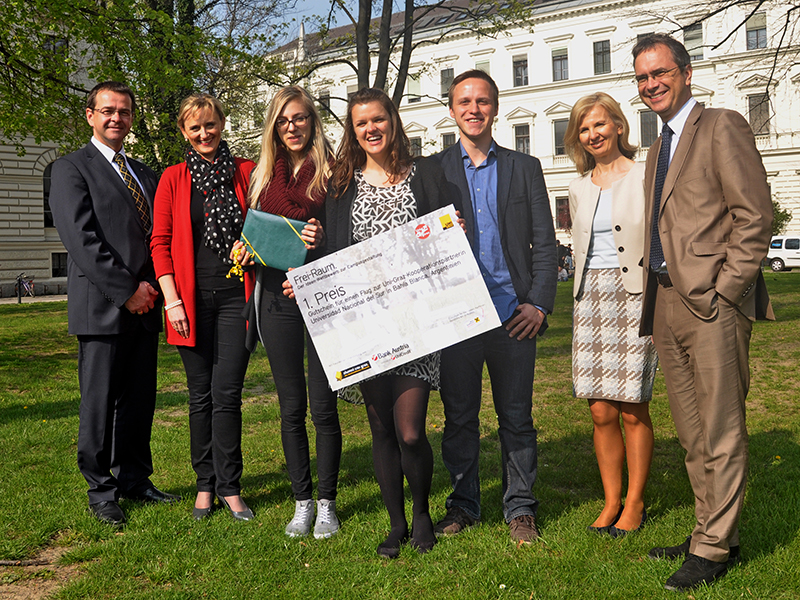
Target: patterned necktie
[[656, 252], [136, 191]]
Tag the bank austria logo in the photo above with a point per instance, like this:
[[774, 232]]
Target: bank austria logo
[[422, 231]]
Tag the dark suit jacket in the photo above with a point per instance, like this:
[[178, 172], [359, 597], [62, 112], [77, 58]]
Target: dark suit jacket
[[109, 250], [715, 219], [526, 222], [428, 186]]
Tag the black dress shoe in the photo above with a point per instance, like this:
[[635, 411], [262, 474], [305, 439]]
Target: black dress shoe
[[201, 513], [153, 494], [615, 532], [108, 512], [695, 571], [682, 551]]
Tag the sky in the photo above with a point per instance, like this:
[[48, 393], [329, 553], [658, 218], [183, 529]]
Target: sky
[[305, 9]]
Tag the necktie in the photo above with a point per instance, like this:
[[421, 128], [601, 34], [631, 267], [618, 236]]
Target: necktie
[[656, 252], [136, 191]]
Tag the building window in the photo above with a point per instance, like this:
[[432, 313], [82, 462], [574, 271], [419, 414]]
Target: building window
[[522, 138], [602, 57], [563, 218], [58, 263], [54, 56], [693, 40], [351, 91], [758, 113], [324, 101], [48, 214], [484, 66], [416, 146], [560, 65], [757, 31], [559, 129], [520, 71], [448, 139], [648, 128], [446, 77], [414, 88]]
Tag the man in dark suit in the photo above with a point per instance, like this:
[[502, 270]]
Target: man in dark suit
[[709, 218], [510, 229], [102, 206]]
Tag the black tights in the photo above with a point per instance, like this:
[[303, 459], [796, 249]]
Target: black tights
[[396, 407]]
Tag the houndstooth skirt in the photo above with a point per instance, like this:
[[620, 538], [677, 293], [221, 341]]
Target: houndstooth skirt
[[609, 359]]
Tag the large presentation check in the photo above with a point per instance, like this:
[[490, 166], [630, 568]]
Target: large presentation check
[[393, 298]]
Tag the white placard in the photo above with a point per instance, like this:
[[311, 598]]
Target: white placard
[[393, 298]]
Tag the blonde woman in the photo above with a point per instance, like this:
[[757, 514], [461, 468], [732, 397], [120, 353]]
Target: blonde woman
[[291, 180], [611, 365]]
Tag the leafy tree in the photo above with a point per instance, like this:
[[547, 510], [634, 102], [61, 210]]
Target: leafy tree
[[781, 218], [53, 51], [377, 34]]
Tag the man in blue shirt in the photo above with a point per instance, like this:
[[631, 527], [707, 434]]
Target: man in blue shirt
[[510, 228]]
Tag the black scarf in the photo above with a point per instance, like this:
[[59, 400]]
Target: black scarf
[[221, 208]]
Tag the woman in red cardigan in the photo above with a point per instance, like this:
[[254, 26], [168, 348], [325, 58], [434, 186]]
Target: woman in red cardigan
[[291, 180], [199, 210]]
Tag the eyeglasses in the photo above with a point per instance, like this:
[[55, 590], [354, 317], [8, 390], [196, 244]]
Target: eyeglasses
[[284, 123], [657, 75], [123, 113]]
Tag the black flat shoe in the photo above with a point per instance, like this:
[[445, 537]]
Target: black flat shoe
[[109, 513], [694, 572], [244, 515], [620, 533], [606, 528], [682, 551], [390, 548]]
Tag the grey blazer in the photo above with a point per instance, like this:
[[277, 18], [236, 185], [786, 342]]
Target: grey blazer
[[627, 214], [109, 250], [525, 221]]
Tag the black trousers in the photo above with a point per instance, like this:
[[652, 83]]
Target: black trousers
[[117, 376], [283, 335], [215, 370]]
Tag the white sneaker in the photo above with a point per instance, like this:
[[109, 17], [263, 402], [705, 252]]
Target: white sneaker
[[327, 523], [300, 525]]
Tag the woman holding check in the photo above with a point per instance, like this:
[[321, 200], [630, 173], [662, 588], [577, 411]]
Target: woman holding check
[[291, 180], [377, 185], [198, 213]]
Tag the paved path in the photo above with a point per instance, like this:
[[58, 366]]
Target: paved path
[[28, 300]]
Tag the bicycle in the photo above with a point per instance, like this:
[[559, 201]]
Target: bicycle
[[24, 286]]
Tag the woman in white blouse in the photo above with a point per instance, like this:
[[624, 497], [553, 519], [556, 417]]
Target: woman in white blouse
[[611, 365]]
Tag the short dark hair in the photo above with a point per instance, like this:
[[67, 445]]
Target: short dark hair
[[678, 50], [110, 86], [474, 74]]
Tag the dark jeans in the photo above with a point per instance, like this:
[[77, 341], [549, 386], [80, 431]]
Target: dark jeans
[[117, 376], [283, 335], [215, 370], [510, 365]]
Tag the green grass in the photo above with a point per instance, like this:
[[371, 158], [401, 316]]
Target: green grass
[[163, 553]]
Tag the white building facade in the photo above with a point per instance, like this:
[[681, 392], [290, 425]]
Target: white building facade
[[577, 47]]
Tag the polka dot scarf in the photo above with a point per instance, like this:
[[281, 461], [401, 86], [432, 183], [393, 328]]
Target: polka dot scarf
[[221, 208]]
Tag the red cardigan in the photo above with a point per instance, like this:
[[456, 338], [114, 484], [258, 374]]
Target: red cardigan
[[172, 245]]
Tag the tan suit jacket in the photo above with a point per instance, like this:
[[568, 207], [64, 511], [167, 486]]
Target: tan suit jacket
[[715, 217], [627, 214]]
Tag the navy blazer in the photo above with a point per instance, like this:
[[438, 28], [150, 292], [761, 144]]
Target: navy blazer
[[527, 234], [109, 250]]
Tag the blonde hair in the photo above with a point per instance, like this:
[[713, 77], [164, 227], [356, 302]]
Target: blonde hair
[[200, 101], [318, 146], [584, 161]]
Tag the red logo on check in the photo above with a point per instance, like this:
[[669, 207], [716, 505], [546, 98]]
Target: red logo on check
[[422, 231]]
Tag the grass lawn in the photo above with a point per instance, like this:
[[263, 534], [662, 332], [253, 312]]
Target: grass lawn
[[164, 553]]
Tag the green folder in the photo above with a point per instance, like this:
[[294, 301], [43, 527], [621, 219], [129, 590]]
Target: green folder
[[273, 240]]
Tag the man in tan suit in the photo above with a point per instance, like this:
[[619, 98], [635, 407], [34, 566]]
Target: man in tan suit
[[708, 224]]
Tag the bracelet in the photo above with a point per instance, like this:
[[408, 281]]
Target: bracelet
[[173, 304]]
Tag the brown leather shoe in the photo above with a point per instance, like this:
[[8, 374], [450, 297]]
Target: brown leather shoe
[[455, 521], [523, 529]]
